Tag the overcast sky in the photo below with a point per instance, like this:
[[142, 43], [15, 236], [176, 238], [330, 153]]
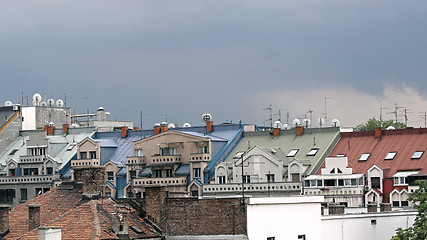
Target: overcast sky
[[229, 58]]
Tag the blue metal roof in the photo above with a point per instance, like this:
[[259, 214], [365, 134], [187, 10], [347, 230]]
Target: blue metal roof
[[107, 142], [121, 172], [111, 185], [184, 169], [198, 182]]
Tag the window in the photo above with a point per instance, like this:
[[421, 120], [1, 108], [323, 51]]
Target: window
[[196, 173], [319, 183], [164, 151], [158, 173], [270, 177], [313, 183], [138, 153], [292, 153], [347, 182], [302, 236], [404, 203], [364, 157], [246, 179], [361, 182], [340, 182], [307, 183], [400, 181], [132, 174], [390, 156], [194, 193], [11, 172], [341, 155], [168, 172], [24, 196], [221, 179], [49, 170], [203, 149], [31, 171], [375, 182], [173, 151], [353, 182], [271, 238], [417, 155], [110, 176], [83, 155], [330, 182], [238, 155], [92, 154], [312, 152], [395, 203]]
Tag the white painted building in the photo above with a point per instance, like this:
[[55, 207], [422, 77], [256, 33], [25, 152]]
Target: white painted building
[[300, 218]]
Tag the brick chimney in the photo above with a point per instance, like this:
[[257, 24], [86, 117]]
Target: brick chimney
[[378, 132], [209, 126], [92, 178], [49, 129], [300, 131], [164, 127], [120, 223], [33, 216], [156, 129], [124, 131], [65, 128], [4, 218]]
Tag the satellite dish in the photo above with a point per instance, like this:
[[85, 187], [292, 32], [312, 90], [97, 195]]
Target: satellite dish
[[306, 122], [296, 122], [8, 104], [206, 117], [59, 103], [285, 126], [186, 125], [321, 122], [37, 98], [391, 128], [164, 124], [101, 109], [171, 125], [277, 124], [50, 102], [335, 122], [43, 104]]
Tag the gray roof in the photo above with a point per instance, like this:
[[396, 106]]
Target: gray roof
[[123, 148], [184, 169]]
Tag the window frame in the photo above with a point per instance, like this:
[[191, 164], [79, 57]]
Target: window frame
[[364, 157], [313, 152], [293, 152], [417, 155], [390, 156]]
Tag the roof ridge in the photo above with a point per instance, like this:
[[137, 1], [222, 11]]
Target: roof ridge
[[96, 222]]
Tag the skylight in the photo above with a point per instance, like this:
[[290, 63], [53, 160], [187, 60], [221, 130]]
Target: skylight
[[364, 157], [390, 156], [417, 155], [292, 153], [313, 152], [238, 155], [13, 151]]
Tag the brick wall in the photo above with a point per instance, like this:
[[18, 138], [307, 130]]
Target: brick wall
[[92, 178], [192, 216]]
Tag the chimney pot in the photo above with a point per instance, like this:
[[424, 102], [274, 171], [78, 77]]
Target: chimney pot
[[300, 130]]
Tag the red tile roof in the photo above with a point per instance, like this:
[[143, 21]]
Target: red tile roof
[[77, 217], [405, 142]]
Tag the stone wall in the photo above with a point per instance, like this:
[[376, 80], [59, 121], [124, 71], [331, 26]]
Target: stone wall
[[92, 178]]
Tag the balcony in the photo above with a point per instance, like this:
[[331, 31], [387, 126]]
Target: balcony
[[156, 182], [135, 160], [236, 188], [168, 159], [26, 179], [197, 157], [85, 162], [32, 159]]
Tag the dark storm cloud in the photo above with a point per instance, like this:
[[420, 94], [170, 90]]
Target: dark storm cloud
[[183, 58]]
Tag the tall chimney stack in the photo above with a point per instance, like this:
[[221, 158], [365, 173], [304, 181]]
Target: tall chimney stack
[[156, 129], [164, 127], [4, 218], [124, 131], [33, 216]]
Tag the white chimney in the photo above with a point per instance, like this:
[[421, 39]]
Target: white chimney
[[50, 233]]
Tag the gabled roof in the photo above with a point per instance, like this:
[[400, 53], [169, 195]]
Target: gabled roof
[[405, 142], [322, 138], [78, 218]]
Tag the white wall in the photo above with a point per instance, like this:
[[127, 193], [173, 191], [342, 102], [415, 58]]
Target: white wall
[[284, 218], [29, 118], [359, 226]]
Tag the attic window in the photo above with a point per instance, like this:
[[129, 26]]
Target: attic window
[[312, 152], [417, 155], [292, 153], [390, 156], [70, 147], [340, 155], [13, 151], [364, 157], [238, 155]]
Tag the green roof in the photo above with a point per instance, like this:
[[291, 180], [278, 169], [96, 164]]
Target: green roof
[[323, 139]]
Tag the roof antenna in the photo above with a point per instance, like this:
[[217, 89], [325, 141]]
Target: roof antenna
[[270, 119]]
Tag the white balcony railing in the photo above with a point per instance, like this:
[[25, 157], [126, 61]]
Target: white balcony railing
[[171, 181], [166, 159], [252, 187], [200, 157], [32, 159], [25, 179], [85, 162], [130, 160]]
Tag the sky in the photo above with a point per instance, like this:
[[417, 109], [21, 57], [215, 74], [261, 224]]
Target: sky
[[175, 60]]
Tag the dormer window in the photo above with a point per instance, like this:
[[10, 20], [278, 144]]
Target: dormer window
[[312, 152], [364, 157], [292, 153], [390, 156], [138, 153], [417, 155], [203, 149]]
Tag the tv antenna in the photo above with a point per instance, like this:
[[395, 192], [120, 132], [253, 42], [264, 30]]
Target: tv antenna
[[326, 113], [381, 113], [406, 116], [424, 115], [279, 114], [270, 119], [395, 112]]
